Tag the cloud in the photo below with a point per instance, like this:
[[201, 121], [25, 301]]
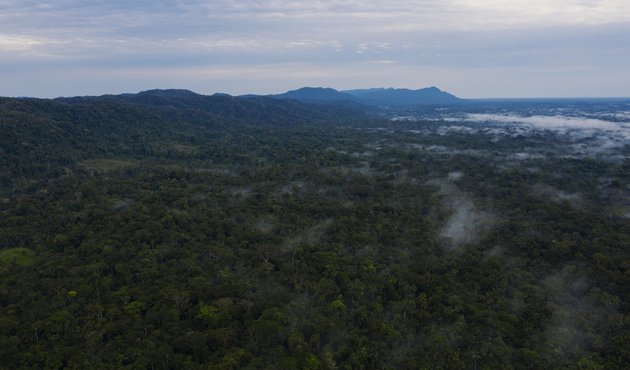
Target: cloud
[[18, 43], [587, 130], [544, 11], [556, 195], [578, 320], [455, 176], [587, 136], [463, 224], [452, 44], [545, 122], [466, 223], [358, 21]]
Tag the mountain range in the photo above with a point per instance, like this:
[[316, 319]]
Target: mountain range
[[382, 97]]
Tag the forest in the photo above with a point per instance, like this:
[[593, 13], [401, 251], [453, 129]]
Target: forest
[[170, 230]]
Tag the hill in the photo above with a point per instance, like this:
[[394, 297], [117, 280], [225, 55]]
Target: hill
[[375, 97], [250, 109], [403, 97], [316, 94], [41, 135]]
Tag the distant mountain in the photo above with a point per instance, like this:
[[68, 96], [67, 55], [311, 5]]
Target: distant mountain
[[316, 95], [168, 93], [378, 97], [403, 97]]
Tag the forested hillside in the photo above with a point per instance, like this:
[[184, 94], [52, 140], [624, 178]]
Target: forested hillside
[[170, 230]]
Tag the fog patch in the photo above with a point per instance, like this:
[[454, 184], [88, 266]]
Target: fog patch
[[591, 136], [217, 171], [362, 154], [443, 150], [509, 131], [121, 205], [454, 176], [402, 177], [587, 135], [265, 224], [431, 148], [466, 223], [449, 130], [240, 192], [379, 129], [292, 187], [495, 252], [555, 195], [377, 145], [522, 156], [348, 204], [335, 150], [363, 169], [622, 115], [545, 122], [310, 235], [405, 119], [577, 319]]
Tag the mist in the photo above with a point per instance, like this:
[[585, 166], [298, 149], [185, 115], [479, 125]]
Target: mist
[[466, 222]]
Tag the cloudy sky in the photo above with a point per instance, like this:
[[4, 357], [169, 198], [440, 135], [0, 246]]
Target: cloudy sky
[[471, 48]]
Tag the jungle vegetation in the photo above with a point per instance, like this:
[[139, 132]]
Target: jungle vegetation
[[168, 230]]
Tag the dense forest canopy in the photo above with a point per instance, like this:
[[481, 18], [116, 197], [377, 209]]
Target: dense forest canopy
[[170, 230]]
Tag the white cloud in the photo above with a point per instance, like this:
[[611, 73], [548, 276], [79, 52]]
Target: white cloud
[[585, 137], [560, 46], [18, 43], [546, 122], [317, 16], [466, 223]]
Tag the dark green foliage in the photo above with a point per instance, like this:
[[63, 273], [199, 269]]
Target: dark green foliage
[[17, 256], [140, 232]]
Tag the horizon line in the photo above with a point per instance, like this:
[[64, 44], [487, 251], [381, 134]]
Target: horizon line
[[486, 98]]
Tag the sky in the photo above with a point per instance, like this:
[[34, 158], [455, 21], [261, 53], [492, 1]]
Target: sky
[[470, 48]]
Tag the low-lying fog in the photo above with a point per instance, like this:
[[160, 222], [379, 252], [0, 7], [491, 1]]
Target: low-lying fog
[[586, 130]]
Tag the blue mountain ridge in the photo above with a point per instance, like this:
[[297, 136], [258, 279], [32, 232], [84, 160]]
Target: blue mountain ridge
[[374, 96]]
